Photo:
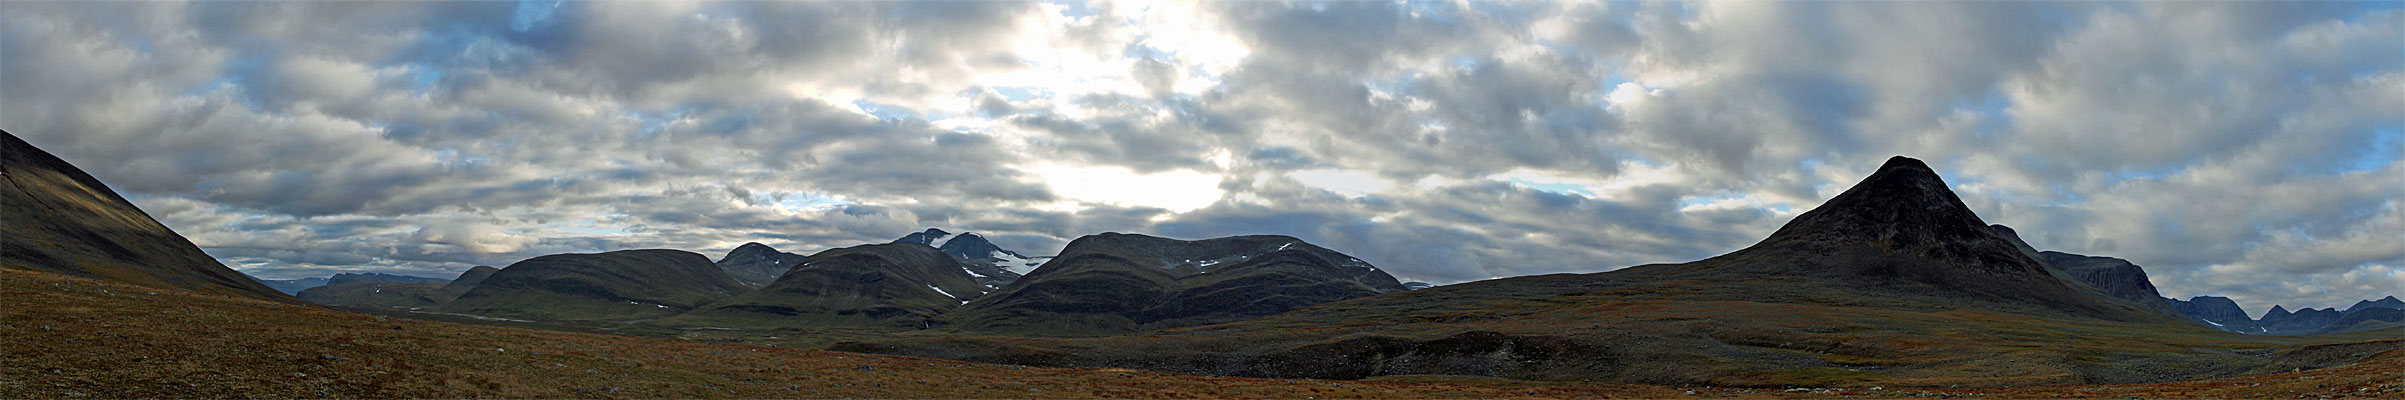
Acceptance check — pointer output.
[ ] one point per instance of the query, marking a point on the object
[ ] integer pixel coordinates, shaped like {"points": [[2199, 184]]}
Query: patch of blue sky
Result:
{"points": [[1074, 8], [732, 122], [2387, 147], [463, 47], [532, 14], [1020, 93], [798, 202], [422, 78], [1559, 188], [1439, 11], [650, 124], [1465, 62], [1137, 49]]}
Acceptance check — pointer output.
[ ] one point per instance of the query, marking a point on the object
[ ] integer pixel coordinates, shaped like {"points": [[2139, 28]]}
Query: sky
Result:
{"points": [[2240, 149]]}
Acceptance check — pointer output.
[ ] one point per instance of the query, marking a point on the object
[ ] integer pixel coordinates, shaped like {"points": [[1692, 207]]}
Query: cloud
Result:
{"points": [[2239, 149]]}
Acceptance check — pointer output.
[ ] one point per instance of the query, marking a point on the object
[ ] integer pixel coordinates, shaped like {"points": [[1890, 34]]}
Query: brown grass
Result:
{"points": [[65, 337]]}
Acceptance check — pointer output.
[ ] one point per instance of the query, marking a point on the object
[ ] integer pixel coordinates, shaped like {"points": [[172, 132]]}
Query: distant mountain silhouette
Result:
{"points": [[1117, 283], [359, 277], [2217, 312], [757, 264], [895, 284], [291, 286], [395, 291], [619, 285], [59, 219]]}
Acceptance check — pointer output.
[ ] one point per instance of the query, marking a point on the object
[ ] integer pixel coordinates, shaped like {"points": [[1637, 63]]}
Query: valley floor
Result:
{"points": [[65, 337]]}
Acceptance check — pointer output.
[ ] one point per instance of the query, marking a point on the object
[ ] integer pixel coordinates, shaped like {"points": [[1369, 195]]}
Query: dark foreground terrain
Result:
{"points": [[67, 337]]}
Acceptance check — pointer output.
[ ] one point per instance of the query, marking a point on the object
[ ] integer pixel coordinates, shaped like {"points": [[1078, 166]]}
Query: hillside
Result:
{"points": [[889, 285], [1116, 283], [60, 219], [614, 286]]}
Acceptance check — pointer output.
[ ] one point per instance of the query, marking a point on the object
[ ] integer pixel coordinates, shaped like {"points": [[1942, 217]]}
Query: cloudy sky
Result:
{"points": [[2249, 150]]}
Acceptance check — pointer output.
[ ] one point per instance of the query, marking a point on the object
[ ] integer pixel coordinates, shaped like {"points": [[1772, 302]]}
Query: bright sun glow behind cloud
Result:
{"points": [[1176, 191]]}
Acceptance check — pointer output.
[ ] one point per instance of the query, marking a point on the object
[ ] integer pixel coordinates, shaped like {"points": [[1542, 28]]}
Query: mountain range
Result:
{"points": [[1892, 283]]}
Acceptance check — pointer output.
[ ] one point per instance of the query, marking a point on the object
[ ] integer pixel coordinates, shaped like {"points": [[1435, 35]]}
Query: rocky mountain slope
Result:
{"points": [[991, 265], [895, 285], [614, 286], [1118, 283], [59, 219]]}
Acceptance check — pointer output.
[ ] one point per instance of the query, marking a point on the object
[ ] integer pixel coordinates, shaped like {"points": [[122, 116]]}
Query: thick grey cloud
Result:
{"points": [[2241, 149]]}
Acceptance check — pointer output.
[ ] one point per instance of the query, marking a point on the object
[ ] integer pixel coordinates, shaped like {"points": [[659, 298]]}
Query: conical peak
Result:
{"points": [[1903, 200], [1902, 162]]}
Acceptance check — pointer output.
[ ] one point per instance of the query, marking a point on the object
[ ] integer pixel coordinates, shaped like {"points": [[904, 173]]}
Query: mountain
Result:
{"points": [[59, 219], [992, 265], [2218, 312], [1416, 285], [2384, 302], [2368, 319], [2279, 321], [757, 264], [1892, 282], [291, 286], [1119, 283], [616, 286], [893, 285], [468, 280], [394, 291], [358, 277], [2116, 277], [378, 294], [1900, 231]]}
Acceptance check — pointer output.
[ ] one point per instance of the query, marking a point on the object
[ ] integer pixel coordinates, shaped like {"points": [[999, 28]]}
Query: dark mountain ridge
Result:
{"points": [[1118, 283], [617, 285], [59, 219], [359, 277], [894, 285]]}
